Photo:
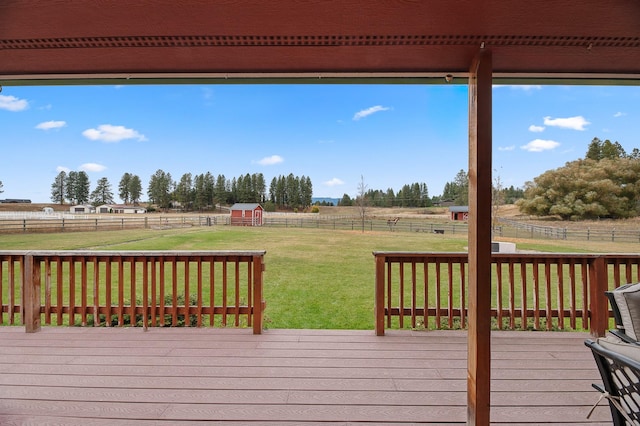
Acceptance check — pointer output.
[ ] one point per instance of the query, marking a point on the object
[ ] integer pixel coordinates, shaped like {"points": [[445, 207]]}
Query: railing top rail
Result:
{"points": [[132, 253], [413, 254]]}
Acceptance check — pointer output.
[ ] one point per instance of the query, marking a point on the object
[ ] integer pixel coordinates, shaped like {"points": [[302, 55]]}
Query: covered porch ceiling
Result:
{"points": [[147, 41]]}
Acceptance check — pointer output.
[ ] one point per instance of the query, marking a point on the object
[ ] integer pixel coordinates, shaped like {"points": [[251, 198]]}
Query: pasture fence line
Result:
{"points": [[507, 228], [529, 290], [517, 229], [132, 288]]}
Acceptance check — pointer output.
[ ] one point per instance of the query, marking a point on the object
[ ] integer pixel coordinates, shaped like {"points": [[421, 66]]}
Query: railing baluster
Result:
{"points": [[523, 301], [161, 295], [199, 294], [401, 295], [145, 293], [212, 293], [536, 295], [120, 291], [72, 290], [84, 291], [512, 295], [47, 291], [585, 289], [463, 293], [187, 292], [96, 291], [547, 275], [425, 317], [107, 291], [237, 293], [174, 295], [572, 278], [1, 291], [224, 294], [414, 294], [560, 275], [389, 284], [450, 293], [12, 290], [499, 293], [438, 294]]}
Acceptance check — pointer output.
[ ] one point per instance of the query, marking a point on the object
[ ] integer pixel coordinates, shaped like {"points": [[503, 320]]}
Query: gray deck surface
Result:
{"points": [[126, 376]]}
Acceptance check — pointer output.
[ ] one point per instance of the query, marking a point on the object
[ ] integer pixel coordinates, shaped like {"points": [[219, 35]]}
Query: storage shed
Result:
{"points": [[120, 208], [246, 214], [82, 209], [459, 213]]}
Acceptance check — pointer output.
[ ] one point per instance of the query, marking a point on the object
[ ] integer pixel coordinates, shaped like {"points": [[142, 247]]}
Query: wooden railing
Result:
{"points": [[529, 291], [132, 288]]}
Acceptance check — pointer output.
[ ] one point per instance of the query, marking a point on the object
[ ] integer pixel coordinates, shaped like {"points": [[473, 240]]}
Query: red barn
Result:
{"points": [[246, 214], [459, 212]]}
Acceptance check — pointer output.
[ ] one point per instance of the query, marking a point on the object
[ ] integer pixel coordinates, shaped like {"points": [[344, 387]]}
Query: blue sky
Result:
{"points": [[390, 135]]}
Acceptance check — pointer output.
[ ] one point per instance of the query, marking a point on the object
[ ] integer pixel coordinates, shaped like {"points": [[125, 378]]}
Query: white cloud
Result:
{"points": [[92, 167], [366, 112], [11, 103], [574, 123], [334, 182], [63, 169], [270, 161], [110, 133], [619, 114], [536, 129], [539, 145], [506, 148], [48, 125]]}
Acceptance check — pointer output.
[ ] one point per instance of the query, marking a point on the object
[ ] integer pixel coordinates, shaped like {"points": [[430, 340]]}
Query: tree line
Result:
{"points": [[191, 192], [604, 184], [416, 194]]}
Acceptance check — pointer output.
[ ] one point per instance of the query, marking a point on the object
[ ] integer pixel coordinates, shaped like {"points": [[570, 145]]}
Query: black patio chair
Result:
{"points": [[619, 331], [625, 304], [620, 375]]}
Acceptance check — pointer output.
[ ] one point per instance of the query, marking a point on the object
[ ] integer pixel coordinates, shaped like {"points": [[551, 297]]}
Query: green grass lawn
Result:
{"points": [[313, 278]]}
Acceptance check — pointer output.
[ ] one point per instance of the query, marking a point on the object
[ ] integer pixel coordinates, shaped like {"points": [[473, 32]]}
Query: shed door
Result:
{"points": [[257, 219]]}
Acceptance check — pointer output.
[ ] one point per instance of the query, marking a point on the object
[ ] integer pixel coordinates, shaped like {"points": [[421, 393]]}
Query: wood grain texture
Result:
{"points": [[115, 376]]}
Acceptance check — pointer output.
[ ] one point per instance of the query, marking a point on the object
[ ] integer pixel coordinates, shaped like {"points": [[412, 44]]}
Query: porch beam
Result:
{"points": [[479, 332]]}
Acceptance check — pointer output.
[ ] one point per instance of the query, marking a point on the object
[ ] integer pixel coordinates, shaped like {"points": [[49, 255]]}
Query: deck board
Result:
{"points": [[119, 376]]}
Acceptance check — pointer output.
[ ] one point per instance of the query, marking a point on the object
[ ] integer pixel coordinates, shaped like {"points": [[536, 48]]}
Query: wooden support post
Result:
{"points": [[258, 268], [31, 294], [598, 303], [479, 333], [379, 302]]}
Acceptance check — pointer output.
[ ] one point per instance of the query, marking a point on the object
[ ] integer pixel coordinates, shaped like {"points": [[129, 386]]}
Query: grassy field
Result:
{"points": [[313, 279]]}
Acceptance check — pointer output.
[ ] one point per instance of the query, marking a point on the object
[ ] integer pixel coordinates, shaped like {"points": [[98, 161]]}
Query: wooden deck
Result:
{"points": [[124, 376]]}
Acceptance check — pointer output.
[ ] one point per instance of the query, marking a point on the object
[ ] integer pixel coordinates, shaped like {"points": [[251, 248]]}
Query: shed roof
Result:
{"points": [[459, 209], [245, 206]]}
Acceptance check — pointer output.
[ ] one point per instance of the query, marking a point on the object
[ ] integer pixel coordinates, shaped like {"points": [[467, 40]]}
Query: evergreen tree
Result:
{"points": [[184, 191], [123, 188], [70, 187], [58, 188], [160, 188], [102, 194], [135, 189]]}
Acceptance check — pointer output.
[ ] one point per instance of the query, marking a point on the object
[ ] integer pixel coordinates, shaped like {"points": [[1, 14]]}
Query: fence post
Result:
{"points": [[379, 306], [598, 284], [258, 303], [31, 294]]}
